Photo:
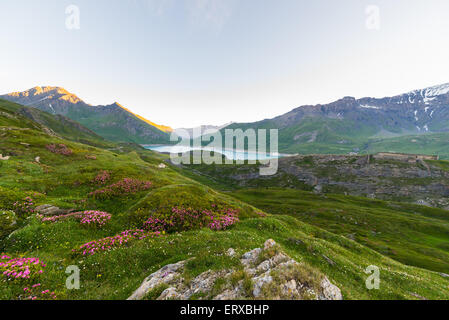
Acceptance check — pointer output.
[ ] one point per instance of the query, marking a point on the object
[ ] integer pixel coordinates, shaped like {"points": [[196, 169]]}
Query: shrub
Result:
{"points": [[36, 292], [24, 208], [182, 219], [20, 268], [94, 218], [102, 177], [124, 187], [222, 220], [87, 218], [59, 149], [110, 243]]}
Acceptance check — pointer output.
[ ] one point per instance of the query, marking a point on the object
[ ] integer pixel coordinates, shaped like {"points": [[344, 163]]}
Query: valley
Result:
{"points": [[126, 212]]}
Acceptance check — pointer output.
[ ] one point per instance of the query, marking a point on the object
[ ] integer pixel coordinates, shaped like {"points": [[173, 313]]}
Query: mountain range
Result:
{"points": [[199, 131], [113, 122], [414, 122]]}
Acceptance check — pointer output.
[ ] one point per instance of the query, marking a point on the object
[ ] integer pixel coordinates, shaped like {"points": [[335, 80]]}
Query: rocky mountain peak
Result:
{"points": [[38, 93]]}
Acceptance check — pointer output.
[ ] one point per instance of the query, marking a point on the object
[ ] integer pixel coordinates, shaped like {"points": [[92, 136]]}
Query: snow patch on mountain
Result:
{"points": [[368, 107], [429, 94]]}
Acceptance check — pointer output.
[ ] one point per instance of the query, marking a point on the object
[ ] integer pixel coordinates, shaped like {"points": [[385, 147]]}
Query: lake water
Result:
{"points": [[230, 154]]}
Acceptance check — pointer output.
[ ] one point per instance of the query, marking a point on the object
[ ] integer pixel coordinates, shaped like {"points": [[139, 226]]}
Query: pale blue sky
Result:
{"points": [[192, 62]]}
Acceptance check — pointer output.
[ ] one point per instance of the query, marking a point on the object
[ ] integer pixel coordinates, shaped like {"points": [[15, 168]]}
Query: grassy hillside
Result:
{"points": [[83, 177], [414, 235], [24, 117], [422, 182], [335, 136], [432, 143]]}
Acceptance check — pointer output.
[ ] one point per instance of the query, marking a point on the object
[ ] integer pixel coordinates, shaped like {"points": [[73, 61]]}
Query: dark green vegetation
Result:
{"points": [[66, 181]]}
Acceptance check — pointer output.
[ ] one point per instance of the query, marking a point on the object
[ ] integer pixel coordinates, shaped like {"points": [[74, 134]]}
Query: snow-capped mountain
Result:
{"points": [[350, 122]]}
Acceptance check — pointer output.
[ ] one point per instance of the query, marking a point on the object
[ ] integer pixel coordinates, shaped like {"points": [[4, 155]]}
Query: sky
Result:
{"points": [[185, 63]]}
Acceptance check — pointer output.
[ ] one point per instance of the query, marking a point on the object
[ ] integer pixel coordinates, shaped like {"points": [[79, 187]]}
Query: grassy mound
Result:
{"points": [[161, 201]]}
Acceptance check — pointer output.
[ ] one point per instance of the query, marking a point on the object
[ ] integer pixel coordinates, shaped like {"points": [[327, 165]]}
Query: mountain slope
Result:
{"points": [[349, 124], [54, 124], [112, 122]]}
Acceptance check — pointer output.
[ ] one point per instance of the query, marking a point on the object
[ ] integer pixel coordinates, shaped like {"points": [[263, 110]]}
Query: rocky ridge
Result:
{"points": [[420, 182], [266, 273]]}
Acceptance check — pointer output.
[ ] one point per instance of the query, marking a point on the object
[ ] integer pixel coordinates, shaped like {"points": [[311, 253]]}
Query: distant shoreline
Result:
{"points": [[281, 155]]}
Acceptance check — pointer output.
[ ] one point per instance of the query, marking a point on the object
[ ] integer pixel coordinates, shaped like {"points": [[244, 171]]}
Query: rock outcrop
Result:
{"points": [[263, 274], [376, 177], [50, 210]]}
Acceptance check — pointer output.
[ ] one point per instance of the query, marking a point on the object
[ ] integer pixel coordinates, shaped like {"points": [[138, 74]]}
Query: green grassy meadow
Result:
{"points": [[408, 243]]}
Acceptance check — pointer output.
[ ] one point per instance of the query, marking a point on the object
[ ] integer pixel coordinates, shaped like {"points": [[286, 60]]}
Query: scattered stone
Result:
{"points": [[276, 276], [162, 166], [318, 188], [50, 210], [279, 258], [329, 291], [25, 144], [417, 296], [269, 244], [230, 252], [264, 266], [444, 275], [328, 260], [250, 257], [4, 157], [423, 203], [229, 294], [163, 276], [259, 282], [169, 294], [289, 289], [203, 283], [37, 159], [90, 157]]}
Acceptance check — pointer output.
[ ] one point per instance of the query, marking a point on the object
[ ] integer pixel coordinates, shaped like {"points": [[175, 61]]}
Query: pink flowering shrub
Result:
{"points": [[222, 220], [114, 242], [20, 268], [94, 218], [59, 149], [156, 224], [261, 214], [102, 177], [87, 218], [36, 292], [124, 187], [24, 208], [182, 219]]}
